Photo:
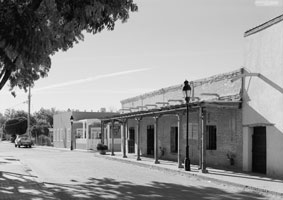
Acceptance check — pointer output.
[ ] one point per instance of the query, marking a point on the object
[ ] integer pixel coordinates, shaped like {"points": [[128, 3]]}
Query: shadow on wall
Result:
{"points": [[18, 186], [263, 78], [274, 140]]}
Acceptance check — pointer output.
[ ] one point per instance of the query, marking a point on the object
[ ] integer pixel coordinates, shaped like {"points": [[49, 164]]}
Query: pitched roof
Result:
{"points": [[220, 84]]}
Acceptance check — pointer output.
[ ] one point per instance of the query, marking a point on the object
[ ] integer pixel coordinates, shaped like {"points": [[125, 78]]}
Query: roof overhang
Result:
{"points": [[175, 109]]}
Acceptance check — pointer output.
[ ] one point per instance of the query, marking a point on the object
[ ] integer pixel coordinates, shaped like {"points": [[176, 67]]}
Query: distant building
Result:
{"points": [[86, 130]]}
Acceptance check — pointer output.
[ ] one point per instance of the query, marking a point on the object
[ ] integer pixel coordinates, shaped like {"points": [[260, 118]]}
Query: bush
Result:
{"points": [[43, 140], [102, 147]]}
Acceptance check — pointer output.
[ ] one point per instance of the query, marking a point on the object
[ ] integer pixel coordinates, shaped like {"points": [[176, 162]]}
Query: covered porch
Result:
{"points": [[134, 122]]}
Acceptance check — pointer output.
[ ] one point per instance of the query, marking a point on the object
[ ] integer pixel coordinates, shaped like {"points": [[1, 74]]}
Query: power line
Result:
{"points": [[16, 123], [14, 105]]}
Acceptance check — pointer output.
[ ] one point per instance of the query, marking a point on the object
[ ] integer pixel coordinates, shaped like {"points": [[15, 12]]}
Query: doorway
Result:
{"points": [[150, 140], [131, 141], [259, 150]]}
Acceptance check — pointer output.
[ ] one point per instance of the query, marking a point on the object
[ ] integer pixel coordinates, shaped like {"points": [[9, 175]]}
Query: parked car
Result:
{"points": [[23, 140]]}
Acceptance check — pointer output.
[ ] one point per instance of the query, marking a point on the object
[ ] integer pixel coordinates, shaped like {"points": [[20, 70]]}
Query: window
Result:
{"points": [[79, 133], [85, 131], [58, 134], [96, 132], [61, 134], [174, 139], [211, 137]]}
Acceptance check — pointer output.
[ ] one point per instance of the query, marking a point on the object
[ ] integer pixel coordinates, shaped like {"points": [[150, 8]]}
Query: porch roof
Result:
{"points": [[175, 109]]}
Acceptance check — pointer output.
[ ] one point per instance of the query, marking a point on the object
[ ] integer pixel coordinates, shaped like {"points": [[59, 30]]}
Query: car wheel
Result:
{"points": [[19, 146], [15, 145], [29, 146]]}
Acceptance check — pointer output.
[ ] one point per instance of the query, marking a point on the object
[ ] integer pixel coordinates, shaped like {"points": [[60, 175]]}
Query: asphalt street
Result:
{"points": [[61, 174]]}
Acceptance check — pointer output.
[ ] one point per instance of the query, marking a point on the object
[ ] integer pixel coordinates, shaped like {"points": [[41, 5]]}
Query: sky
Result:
{"points": [[161, 45]]}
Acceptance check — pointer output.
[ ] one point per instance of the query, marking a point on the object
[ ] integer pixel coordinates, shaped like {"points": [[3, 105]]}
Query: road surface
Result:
{"points": [[64, 174]]}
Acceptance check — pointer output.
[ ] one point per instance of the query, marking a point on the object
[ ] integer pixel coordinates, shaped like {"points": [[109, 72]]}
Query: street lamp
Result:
{"points": [[72, 121], [187, 95]]}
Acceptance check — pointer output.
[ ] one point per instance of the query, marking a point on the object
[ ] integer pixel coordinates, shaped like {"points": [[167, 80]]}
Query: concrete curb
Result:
{"points": [[189, 174]]}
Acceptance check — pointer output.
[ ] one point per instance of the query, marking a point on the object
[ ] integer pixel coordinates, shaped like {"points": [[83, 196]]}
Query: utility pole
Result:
{"points": [[29, 99]]}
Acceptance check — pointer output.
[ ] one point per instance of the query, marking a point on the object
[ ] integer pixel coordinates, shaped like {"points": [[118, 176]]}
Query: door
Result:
{"points": [[150, 140], [131, 141], [259, 150]]}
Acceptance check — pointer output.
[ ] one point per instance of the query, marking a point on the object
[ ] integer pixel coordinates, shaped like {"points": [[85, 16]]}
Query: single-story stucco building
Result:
{"points": [[235, 118], [86, 130]]}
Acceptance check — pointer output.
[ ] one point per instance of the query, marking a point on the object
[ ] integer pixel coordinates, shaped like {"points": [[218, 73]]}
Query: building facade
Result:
{"points": [[263, 99], [155, 123], [235, 119], [86, 130]]}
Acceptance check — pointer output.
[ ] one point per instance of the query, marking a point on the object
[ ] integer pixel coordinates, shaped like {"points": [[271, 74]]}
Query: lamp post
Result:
{"points": [[187, 94], [72, 121]]}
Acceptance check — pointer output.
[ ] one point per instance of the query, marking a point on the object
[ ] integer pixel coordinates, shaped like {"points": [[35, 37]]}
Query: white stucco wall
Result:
{"points": [[263, 100]]}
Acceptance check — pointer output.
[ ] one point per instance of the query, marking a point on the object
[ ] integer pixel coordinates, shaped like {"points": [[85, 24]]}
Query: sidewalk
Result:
{"points": [[255, 182]]}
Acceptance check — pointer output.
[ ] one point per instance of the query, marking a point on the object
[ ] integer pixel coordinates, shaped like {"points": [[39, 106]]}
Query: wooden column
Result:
{"points": [[138, 138], [102, 132], [112, 137], [200, 137], [179, 118], [124, 138], [156, 119], [203, 136]]}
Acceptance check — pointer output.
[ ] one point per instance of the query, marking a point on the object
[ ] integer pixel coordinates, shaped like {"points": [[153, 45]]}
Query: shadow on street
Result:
{"points": [[18, 186]]}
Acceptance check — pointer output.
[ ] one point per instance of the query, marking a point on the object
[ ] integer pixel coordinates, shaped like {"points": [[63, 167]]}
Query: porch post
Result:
{"points": [[112, 137], [124, 138], [179, 119], [102, 132], [138, 137], [203, 135], [87, 135], [200, 137], [156, 119]]}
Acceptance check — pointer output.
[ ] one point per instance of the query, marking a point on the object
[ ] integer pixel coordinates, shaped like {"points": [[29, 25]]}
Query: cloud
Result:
{"points": [[268, 2], [94, 78]]}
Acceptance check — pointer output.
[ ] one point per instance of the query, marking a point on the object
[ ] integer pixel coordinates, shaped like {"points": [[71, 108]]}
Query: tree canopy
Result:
{"points": [[15, 126], [33, 30], [13, 114]]}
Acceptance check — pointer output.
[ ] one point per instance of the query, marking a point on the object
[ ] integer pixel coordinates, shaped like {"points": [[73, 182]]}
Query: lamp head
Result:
{"points": [[187, 89], [72, 119]]}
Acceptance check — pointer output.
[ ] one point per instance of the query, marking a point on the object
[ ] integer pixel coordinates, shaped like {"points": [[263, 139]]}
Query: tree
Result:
{"points": [[45, 116], [2, 120], [33, 30], [15, 126], [12, 113], [38, 129]]}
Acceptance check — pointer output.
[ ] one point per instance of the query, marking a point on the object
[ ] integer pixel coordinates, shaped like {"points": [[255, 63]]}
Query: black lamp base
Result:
{"points": [[187, 164]]}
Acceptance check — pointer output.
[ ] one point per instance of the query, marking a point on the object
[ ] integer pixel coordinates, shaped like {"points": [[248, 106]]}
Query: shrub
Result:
{"points": [[101, 147]]}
